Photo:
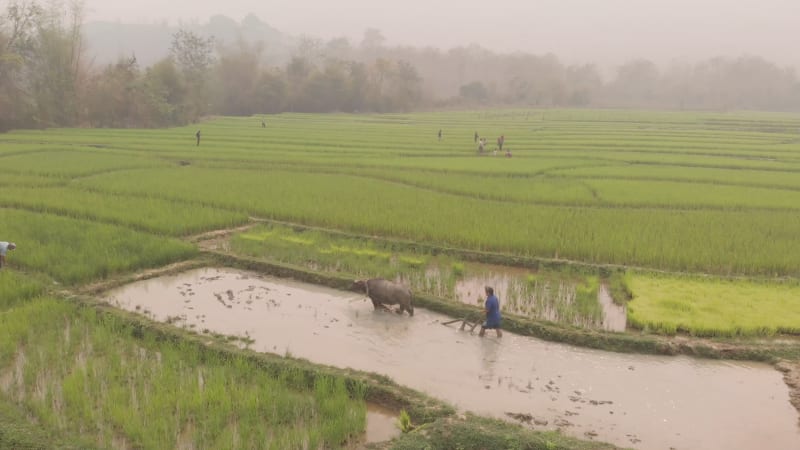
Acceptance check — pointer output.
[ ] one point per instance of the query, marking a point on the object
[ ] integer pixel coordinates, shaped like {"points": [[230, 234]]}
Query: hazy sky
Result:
{"points": [[606, 31]]}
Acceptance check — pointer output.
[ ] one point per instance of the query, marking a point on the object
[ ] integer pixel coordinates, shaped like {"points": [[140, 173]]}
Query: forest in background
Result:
{"points": [[49, 77]]}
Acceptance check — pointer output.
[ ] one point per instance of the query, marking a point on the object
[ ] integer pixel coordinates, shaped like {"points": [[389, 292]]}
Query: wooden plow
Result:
{"points": [[465, 322]]}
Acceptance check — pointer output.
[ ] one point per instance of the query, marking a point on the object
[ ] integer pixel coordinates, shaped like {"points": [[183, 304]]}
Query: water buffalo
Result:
{"points": [[384, 292]]}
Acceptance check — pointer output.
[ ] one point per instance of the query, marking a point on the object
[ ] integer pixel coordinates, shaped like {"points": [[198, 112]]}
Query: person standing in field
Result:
{"points": [[4, 248], [263, 124], [500, 141], [481, 143], [440, 135], [198, 138], [476, 137], [492, 310]]}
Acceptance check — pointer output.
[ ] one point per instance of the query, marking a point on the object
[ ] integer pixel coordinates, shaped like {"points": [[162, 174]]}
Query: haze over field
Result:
{"points": [[607, 32]]}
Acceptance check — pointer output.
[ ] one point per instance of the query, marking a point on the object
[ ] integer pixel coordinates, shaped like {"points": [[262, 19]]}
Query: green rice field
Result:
{"points": [[684, 192], [695, 215]]}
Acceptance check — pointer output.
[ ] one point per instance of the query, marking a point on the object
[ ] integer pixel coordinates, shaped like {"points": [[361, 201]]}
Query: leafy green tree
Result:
{"points": [[194, 56]]}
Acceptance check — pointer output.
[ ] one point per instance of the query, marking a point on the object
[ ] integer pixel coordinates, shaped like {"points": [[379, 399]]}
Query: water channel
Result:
{"points": [[639, 401]]}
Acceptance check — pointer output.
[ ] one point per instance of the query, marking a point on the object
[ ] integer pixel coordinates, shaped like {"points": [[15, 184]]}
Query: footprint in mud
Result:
{"points": [[633, 438], [561, 423], [551, 387], [521, 417]]}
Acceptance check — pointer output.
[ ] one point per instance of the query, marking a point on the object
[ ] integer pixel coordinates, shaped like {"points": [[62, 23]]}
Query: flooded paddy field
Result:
{"points": [[580, 301], [640, 401]]}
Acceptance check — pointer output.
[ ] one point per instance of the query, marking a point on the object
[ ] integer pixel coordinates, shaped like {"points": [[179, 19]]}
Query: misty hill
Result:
{"points": [[108, 41]]}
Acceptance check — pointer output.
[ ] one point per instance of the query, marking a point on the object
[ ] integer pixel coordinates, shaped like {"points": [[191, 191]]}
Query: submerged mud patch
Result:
{"points": [[381, 424], [649, 402]]}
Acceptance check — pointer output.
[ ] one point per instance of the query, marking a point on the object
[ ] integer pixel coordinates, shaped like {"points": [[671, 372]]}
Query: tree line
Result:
{"points": [[47, 78]]}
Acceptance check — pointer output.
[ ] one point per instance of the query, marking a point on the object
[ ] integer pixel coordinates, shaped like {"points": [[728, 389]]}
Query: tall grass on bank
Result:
{"points": [[80, 372], [74, 251], [713, 307]]}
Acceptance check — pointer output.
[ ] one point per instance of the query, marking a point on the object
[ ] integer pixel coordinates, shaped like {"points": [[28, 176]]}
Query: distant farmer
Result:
{"points": [[508, 153], [476, 137], [263, 124], [492, 314], [4, 248], [198, 138], [440, 135], [500, 141], [481, 144]]}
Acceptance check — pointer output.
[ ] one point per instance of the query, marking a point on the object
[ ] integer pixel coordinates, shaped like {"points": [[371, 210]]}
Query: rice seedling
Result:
{"points": [[713, 307], [80, 372]]}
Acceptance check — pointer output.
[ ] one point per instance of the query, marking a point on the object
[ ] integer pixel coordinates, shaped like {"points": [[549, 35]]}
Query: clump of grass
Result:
{"points": [[477, 433], [404, 422], [618, 288], [16, 288]]}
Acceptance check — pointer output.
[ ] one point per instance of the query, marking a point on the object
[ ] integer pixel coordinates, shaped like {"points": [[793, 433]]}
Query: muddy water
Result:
{"points": [[638, 401], [381, 424], [615, 317]]}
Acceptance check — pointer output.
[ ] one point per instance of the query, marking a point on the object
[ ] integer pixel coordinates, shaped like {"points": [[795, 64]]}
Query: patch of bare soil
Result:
{"points": [[219, 234], [218, 240]]}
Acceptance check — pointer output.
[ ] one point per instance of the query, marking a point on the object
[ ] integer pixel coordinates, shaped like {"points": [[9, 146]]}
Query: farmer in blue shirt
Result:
{"points": [[4, 248], [492, 314]]}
